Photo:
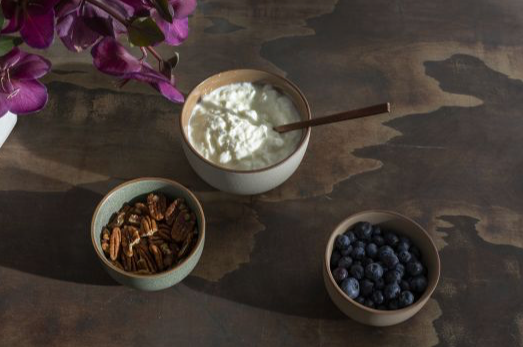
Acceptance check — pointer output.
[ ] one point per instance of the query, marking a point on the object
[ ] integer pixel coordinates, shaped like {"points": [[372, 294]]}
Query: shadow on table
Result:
{"points": [[48, 234]]}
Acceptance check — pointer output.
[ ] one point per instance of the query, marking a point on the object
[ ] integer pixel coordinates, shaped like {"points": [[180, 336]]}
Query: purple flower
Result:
{"points": [[34, 19], [20, 91], [81, 24], [112, 58], [175, 32]]}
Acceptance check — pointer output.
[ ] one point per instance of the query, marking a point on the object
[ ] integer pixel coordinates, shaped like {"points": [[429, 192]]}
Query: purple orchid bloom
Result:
{"points": [[20, 91], [177, 31], [33, 18], [112, 58], [81, 24]]}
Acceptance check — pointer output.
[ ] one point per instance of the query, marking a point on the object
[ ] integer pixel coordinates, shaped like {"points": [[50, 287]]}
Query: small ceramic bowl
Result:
{"points": [[139, 189], [403, 226], [245, 182]]}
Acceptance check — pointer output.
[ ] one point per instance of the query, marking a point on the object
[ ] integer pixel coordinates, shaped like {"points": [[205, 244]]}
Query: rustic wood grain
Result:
{"points": [[449, 156]]}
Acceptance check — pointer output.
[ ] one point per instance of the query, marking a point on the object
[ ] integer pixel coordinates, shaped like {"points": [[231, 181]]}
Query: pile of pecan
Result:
{"points": [[150, 237]]}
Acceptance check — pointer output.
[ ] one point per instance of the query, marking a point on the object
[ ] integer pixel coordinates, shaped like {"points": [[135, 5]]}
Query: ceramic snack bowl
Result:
{"points": [[245, 182], [402, 226], [138, 189]]}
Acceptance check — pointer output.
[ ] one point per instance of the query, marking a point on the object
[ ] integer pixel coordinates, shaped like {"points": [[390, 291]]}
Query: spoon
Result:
{"points": [[360, 113]]}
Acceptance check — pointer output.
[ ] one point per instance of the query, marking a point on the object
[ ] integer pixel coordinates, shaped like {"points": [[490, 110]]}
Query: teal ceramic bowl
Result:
{"points": [[138, 189]]}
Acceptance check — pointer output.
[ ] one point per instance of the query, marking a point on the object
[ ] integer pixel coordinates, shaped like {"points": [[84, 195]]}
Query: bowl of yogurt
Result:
{"points": [[227, 130]]}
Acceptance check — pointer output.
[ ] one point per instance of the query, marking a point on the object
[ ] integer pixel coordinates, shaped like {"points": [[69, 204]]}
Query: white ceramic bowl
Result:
{"points": [[245, 182]]}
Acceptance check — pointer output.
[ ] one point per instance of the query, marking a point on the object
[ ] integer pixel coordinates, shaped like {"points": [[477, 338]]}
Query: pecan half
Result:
{"points": [[148, 226], [105, 247], [157, 204], [106, 235], [157, 254], [185, 248], [168, 261], [135, 235], [183, 225], [134, 219], [166, 250], [148, 259], [140, 209], [118, 220], [173, 210], [114, 247], [126, 242]]}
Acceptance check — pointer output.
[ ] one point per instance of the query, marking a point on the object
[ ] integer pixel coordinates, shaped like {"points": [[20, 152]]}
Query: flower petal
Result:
{"points": [[169, 91], [38, 31], [67, 7], [10, 59], [183, 8], [176, 32], [31, 96], [30, 67], [112, 58], [9, 8], [40, 7], [14, 25], [75, 34]]}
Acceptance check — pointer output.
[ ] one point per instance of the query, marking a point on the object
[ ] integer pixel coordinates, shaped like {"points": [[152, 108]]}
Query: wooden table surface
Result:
{"points": [[450, 156]]}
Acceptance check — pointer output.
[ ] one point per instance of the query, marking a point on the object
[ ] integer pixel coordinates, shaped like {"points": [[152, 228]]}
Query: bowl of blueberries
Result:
{"points": [[380, 267]]}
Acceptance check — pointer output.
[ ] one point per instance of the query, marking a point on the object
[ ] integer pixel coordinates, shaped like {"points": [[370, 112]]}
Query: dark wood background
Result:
{"points": [[450, 156]]}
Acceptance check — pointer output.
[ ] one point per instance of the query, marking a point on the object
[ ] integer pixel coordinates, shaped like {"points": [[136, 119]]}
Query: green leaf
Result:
{"points": [[145, 32], [167, 66], [7, 43], [164, 9]]}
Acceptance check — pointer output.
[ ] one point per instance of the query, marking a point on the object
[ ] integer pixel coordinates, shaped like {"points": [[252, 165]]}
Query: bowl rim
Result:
{"points": [[201, 233], [302, 142], [421, 301]]}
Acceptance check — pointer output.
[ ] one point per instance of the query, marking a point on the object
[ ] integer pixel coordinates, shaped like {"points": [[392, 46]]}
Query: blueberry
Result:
{"points": [[383, 250], [393, 305], [356, 271], [379, 284], [406, 299], [382, 307], [356, 262], [392, 276], [345, 262], [369, 303], [342, 242], [345, 252], [391, 238], [376, 231], [404, 285], [340, 274], [366, 261], [415, 252], [352, 237], [391, 291], [366, 287], [377, 297], [360, 244], [404, 256], [400, 268], [335, 257], [378, 240], [358, 253], [360, 300], [402, 246], [414, 268], [371, 250], [373, 271], [418, 284], [390, 260], [363, 230], [351, 287]]}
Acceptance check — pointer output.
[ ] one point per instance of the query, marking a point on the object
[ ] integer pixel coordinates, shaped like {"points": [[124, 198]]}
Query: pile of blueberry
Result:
{"points": [[378, 269]]}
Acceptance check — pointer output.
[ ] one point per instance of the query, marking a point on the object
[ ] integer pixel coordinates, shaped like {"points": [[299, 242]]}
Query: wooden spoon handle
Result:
{"points": [[360, 113]]}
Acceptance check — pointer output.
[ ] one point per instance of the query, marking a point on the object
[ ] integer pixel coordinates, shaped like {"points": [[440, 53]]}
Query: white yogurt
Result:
{"points": [[233, 126]]}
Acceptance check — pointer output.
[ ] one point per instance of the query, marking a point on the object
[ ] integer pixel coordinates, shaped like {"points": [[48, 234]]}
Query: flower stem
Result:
{"points": [[122, 20], [109, 10]]}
